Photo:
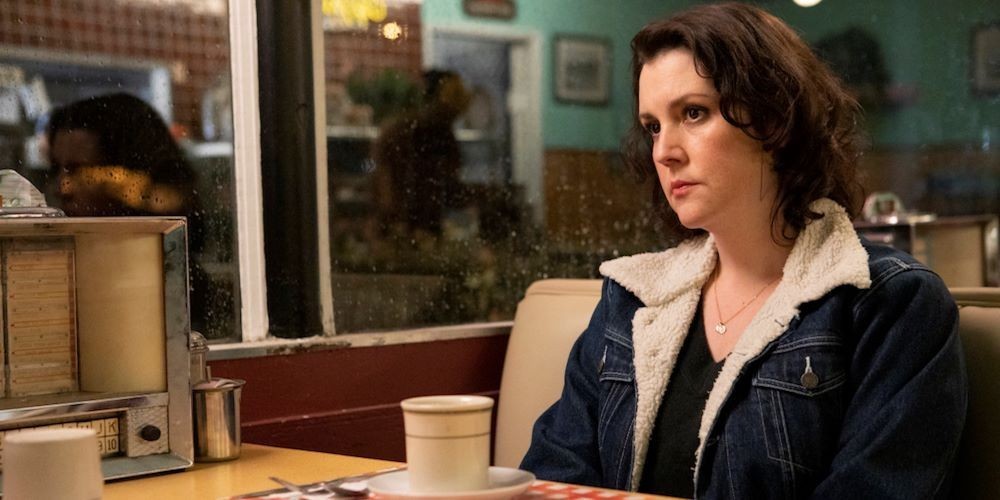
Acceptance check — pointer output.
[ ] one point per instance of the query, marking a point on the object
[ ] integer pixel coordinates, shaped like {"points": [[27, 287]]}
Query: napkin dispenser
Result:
{"points": [[95, 334]]}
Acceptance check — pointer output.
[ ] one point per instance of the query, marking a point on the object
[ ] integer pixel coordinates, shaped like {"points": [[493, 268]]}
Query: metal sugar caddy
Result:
{"points": [[95, 334], [216, 408]]}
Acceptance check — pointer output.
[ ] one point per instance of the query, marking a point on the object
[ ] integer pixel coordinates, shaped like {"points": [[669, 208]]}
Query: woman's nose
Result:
{"points": [[667, 149]]}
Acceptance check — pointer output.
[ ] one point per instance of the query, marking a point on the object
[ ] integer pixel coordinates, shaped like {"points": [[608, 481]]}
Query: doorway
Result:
{"points": [[500, 132]]}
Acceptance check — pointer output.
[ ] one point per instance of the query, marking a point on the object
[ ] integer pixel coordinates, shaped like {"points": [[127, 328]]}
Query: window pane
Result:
{"points": [[123, 107], [447, 199]]}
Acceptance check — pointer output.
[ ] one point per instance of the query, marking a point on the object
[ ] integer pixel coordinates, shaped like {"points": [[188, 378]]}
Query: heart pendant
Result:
{"points": [[720, 328]]}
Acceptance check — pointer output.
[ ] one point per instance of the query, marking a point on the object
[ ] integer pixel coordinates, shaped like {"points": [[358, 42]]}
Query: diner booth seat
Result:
{"points": [[555, 311], [551, 316], [978, 472]]}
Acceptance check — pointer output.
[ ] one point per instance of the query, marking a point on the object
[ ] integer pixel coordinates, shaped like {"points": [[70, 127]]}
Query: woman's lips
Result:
{"points": [[680, 188]]}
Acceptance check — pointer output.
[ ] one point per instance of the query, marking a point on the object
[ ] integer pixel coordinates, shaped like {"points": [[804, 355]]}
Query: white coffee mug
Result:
{"points": [[447, 442], [52, 463]]}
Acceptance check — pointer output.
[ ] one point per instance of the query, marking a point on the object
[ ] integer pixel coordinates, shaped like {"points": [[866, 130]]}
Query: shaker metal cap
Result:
{"points": [[198, 342]]}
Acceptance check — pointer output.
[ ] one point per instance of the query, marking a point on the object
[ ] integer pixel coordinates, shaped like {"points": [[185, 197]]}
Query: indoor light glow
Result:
{"points": [[391, 31], [354, 13], [806, 3]]}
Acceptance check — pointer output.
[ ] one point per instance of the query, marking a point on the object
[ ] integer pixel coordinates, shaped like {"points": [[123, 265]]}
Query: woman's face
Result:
{"points": [[73, 154], [710, 171]]}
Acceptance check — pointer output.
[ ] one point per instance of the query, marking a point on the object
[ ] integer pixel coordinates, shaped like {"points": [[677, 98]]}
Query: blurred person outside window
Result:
{"points": [[418, 163], [113, 155]]}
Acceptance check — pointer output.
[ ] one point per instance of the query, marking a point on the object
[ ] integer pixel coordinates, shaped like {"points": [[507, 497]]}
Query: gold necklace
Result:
{"points": [[720, 327]]}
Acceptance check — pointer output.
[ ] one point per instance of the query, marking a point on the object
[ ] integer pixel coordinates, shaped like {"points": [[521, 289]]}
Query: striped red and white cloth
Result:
{"points": [[544, 490]]}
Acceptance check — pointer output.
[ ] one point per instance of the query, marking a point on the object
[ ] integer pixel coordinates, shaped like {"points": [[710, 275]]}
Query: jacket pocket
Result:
{"points": [[807, 367], [799, 390]]}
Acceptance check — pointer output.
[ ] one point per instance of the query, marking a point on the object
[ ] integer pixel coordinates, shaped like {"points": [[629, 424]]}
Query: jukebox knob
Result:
{"points": [[150, 433]]}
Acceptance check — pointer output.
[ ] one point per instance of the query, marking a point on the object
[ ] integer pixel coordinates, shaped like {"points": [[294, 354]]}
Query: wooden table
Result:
{"points": [[249, 473]]}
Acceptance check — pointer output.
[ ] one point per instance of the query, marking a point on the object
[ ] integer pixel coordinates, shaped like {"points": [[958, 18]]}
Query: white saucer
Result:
{"points": [[504, 483]]}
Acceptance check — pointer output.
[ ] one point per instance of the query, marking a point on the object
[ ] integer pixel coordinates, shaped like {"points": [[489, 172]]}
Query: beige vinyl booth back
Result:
{"points": [[554, 312], [551, 316], [978, 472]]}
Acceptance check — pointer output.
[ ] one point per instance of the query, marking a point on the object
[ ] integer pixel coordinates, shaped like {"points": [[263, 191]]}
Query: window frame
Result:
{"points": [[254, 339], [246, 171]]}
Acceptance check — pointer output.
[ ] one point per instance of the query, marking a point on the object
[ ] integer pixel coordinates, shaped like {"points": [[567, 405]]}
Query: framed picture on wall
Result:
{"points": [[985, 62], [582, 69]]}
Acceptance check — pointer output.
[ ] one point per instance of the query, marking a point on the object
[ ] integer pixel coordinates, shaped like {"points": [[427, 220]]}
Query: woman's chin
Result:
{"points": [[690, 221]]}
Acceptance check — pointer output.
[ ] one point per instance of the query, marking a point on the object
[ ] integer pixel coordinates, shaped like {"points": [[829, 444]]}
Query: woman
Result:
{"points": [[114, 155], [772, 353]]}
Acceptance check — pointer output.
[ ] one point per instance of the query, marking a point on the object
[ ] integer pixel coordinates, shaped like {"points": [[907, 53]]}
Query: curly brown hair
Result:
{"points": [[774, 88]]}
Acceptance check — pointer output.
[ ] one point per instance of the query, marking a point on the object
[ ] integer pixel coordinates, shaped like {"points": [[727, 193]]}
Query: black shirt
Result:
{"points": [[669, 468]]}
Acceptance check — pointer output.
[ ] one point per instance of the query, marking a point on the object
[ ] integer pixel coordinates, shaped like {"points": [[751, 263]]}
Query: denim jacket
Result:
{"points": [[882, 418]]}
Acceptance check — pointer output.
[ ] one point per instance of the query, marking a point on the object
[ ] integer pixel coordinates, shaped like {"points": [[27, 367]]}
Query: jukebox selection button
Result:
{"points": [[106, 429], [150, 433], [111, 445]]}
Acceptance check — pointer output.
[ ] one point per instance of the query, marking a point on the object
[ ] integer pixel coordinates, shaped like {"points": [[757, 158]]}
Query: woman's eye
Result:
{"points": [[652, 128], [694, 113]]}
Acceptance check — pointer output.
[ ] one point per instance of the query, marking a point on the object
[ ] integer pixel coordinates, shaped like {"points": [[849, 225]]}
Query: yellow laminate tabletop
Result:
{"points": [[250, 472], [246, 474]]}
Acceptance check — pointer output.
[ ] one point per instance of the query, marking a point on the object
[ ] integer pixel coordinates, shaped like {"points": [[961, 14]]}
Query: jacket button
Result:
{"points": [[809, 379]]}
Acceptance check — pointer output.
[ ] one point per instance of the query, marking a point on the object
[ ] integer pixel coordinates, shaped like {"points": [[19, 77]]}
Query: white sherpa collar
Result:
{"points": [[827, 254], [657, 278]]}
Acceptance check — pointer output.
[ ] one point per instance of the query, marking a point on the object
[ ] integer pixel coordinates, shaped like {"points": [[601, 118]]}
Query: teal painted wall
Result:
{"points": [[925, 44], [565, 125]]}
